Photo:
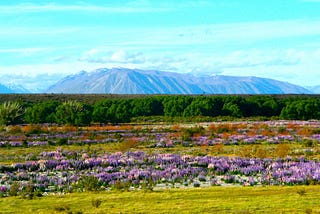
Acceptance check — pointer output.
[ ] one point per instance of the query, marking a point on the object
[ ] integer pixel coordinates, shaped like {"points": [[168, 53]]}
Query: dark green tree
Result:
{"points": [[122, 111], [260, 106], [175, 105], [149, 106], [302, 110], [231, 109], [43, 112], [101, 112], [204, 106]]}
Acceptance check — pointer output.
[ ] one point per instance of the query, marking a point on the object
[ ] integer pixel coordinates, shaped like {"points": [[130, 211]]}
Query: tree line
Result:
{"points": [[121, 110]]}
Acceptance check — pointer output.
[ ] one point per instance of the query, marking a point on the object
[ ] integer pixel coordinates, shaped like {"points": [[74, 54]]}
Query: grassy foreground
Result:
{"points": [[301, 199]]}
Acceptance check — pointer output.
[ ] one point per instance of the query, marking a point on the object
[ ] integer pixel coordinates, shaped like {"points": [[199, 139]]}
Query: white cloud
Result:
{"points": [[89, 55], [107, 56], [125, 57]]}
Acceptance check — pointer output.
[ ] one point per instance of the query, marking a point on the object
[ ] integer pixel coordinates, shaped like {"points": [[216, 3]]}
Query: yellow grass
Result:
{"points": [[195, 200]]}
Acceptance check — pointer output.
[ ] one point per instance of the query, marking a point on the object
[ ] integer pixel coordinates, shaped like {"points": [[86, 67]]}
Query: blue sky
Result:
{"points": [[41, 41]]}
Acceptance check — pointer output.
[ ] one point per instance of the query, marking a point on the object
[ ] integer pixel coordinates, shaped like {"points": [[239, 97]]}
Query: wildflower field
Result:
{"points": [[239, 167]]}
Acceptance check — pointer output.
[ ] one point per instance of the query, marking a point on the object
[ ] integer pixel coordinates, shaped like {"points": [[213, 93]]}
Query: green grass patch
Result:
{"points": [[196, 200]]}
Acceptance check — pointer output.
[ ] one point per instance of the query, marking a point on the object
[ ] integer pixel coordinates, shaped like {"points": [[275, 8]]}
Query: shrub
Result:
{"points": [[302, 192], [121, 185], [88, 183], [191, 132], [25, 143], [96, 203], [308, 211], [229, 179], [310, 143], [282, 130], [196, 184], [62, 208], [202, 178], [14, 189], [148, 185], [28, 191], [62, 141], [51, 143], [10, 113]]}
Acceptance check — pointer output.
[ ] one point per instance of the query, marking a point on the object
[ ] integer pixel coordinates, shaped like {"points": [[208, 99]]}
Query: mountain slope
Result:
{"points": [[315, 89], [129, 81]]}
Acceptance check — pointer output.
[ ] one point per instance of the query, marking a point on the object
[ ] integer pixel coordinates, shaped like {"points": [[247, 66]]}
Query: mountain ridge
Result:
{"points": [[136, 81]]}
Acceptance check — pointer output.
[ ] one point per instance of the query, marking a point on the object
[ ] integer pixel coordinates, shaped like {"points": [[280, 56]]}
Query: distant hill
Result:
{"points": [[18, 89], [5, 90], [13, 89], [133, 81]]}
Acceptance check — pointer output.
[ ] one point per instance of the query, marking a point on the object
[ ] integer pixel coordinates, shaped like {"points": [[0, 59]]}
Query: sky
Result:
{"points": [[42, 41]]}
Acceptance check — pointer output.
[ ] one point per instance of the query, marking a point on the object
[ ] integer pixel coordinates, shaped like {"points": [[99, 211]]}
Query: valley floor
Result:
{"points": [[225, 167]]}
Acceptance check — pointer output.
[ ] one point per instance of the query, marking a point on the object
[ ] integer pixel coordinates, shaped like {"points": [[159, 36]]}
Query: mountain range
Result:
{"points": [[135, 81], [13, 89]]}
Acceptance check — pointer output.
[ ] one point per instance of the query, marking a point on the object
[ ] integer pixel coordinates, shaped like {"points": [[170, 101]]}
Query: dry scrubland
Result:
{"points": [[227, 167]]}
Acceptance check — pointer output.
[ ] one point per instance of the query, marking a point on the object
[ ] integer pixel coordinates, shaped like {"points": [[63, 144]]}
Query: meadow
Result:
{"points": [[227, 167]]}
